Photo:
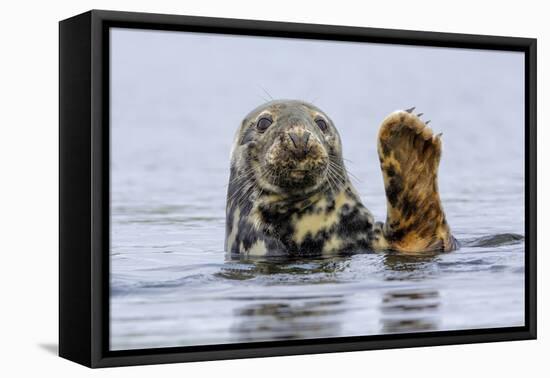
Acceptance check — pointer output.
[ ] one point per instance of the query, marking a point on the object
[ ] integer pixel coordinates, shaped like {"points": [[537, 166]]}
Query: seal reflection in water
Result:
{"points": [[289, 193]]}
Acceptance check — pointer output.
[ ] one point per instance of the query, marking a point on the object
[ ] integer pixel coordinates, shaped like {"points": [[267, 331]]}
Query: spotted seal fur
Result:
{"points": [[289, 192]]}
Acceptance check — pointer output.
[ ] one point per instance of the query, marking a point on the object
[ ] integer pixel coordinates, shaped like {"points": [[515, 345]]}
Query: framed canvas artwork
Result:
{"points": [[237, 188]]}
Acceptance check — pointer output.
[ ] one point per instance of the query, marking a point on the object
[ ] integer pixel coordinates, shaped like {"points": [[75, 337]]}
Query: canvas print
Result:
{"points": [[267, 189]]}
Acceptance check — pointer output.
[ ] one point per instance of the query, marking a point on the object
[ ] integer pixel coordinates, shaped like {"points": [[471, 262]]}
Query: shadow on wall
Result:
{"points": [[50, 348]]}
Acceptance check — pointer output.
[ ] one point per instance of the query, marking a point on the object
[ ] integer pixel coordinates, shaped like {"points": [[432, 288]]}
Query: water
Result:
{"points": [[172, 129]]}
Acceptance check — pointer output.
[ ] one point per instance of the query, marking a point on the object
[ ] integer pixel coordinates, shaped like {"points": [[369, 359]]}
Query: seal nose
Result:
{"points": [[300, 141]]}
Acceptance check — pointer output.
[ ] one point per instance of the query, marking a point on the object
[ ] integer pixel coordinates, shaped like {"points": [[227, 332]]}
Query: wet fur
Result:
{"points": [[270, 212], [409, 155]]}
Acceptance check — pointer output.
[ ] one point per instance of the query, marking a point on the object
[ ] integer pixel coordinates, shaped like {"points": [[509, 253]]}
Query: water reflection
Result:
{"points": [[248, 268], [410, 310], [400, 262], [289, 320]]}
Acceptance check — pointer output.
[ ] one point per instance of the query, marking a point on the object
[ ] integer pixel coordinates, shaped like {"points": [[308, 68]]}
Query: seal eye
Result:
{"points": [[322, 124], [263, 124]]}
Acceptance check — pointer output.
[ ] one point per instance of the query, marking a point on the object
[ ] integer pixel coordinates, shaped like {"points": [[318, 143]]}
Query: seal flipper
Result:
{"points": [[409, 155]]}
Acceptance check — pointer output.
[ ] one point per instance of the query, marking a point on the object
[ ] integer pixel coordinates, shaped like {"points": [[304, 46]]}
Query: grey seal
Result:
{"points": [[289, 192]]}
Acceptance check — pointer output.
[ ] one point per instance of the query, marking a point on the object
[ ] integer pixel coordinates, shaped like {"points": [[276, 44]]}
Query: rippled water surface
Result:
{"points": [[177, 100]]}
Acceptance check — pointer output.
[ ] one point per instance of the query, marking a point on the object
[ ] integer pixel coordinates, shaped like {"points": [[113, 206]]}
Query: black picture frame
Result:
{"points": [[84, 187]]}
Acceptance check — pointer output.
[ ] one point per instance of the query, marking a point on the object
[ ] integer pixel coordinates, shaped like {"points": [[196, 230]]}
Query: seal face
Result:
{"points": [[289, 193]]}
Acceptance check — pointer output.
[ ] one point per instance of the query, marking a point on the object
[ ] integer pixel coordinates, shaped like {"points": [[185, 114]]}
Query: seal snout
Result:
{"points": [[299, 139]]}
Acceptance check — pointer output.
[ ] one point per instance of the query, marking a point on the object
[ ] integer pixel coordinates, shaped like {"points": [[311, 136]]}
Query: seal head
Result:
{"points": [[288, 183], [288, 147]]}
